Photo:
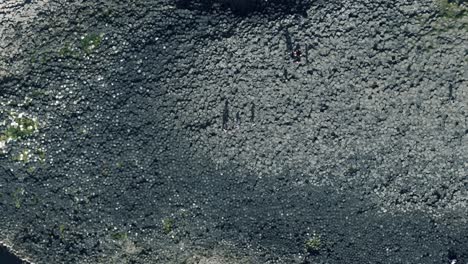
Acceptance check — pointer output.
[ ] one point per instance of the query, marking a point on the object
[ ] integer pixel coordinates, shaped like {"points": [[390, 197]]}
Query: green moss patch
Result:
{"points": [[119, 236], [451, 9], [168, 225], [68, 51], [91, 42], [22, 127]]}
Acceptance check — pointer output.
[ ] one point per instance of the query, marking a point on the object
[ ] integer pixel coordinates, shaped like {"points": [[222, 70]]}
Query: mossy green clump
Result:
{"points": [[313, 244], [168, 225], [119, 236], [41, 155], [119, 165], [451, 10], [17, 197], [62, 230], [23, 156], [31, 170], [38, 93], [91, 42], [68, 51], [22, 127]]}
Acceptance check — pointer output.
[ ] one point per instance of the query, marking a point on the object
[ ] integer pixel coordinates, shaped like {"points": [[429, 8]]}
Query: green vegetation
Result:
{"points": [[17, 197], [451, 9], [83, 132], [41, 154], [61, 230], [44, 59], [26, 156], [168, 225], [23, 156], [68, 51], [22, 127], [453, 15], [31, 170], [119, 236], [313, 244], [119, 165], [38, 93], [90, 42]]}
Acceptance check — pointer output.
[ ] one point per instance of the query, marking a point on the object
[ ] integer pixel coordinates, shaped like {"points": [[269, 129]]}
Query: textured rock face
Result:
{"points": [[246, 7], [233, 131]]}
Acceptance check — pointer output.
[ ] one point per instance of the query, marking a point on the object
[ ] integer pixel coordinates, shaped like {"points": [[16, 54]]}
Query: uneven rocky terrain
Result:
{"points": [[164, 131]]}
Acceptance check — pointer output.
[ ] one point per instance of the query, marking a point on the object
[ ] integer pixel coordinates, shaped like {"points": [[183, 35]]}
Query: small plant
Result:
{"points": [[61, 230], [23, 156], [313, 244], [119, 236], [17, 197], [41, 154], [38, 93], [168, 225], [119, 165], [31, 170], [90, 42]]}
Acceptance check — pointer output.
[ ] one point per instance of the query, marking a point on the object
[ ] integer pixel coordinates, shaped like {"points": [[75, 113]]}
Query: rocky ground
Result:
{"points": [[164, 131]]}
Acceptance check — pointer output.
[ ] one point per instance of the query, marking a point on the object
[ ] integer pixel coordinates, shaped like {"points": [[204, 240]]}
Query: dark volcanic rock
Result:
{"points": [[234, 131]]}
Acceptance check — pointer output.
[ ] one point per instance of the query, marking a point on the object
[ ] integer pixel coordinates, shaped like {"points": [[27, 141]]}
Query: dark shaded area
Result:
{"points": [[246, 7], [268, 213], [458, 1], [8, 258]]}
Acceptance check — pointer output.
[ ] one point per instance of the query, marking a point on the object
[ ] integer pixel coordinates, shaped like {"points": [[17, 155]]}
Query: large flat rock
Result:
{"points": [[234, 132]]}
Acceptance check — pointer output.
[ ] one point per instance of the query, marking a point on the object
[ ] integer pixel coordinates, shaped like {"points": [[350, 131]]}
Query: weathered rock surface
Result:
{"points": [[182, 132]]}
